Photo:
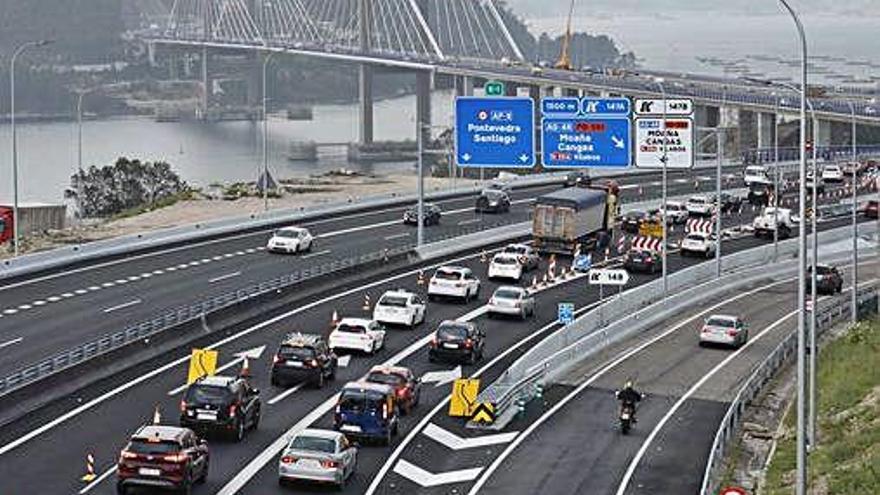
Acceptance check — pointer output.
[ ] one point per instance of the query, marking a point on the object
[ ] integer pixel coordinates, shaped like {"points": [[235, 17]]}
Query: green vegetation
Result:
{"points": [[847, 460]]}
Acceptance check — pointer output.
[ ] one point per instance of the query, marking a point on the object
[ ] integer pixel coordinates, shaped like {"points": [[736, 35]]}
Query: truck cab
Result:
{"points": [[772, 218]]}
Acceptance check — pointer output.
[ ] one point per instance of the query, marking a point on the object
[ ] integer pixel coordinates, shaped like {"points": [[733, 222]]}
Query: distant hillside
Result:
{"points": [[543, 8]]}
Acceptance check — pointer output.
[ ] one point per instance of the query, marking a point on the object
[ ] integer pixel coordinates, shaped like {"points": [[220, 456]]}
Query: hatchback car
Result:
{"points": [[493, 201], [357, 334], [457, 341], [407, 388], [432, 214], [222, 404], [290, 240], [643, 260], [528, 257], [871, 208], [323, 456], [505, 265], [700, 206], [755, 174], [454, 281], [698, 243], [724, 330], [400, 307], [367, 410], [832, 173], [303, 358], [162, 457], [511, 301], [829, 280], [676, 212]]}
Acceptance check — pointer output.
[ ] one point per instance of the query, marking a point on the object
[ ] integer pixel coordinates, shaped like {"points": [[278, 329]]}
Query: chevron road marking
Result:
{"points": [[426, 479], [455, 442]]}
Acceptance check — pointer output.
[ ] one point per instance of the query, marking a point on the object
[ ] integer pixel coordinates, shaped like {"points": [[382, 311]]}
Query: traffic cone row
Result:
{"points": [[367, 303], [90, 469]]}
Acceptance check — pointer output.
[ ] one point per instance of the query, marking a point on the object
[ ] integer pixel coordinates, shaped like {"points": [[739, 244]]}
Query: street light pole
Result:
{"points": [[801, 452], [665, 160], [776, 182], [855, 225], [21, 48], [811, 423], [420, 212], [266, 134]]}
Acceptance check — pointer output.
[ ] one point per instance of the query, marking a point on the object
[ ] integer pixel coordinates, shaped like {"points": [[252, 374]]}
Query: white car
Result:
{"points": [[505, 265], [357, 334], [756, 174], [528, 257], [700, 206], [832, 173], [290, 240], [724, 330], [511, 301], [698, 243], [676, 212], [318, 455], [400, 307], [454, 281]]}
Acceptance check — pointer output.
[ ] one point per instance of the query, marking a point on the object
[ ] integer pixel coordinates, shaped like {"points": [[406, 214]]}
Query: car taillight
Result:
{"points": [[127, 455], [182, 406], [705, 329], [468, 343], [232, 410], [434, 341], [385, 411], [329, 464], [175, 458], [732, 333], [276, 359], [313, 363], [517, 304], [401, 392], [288, 459]]}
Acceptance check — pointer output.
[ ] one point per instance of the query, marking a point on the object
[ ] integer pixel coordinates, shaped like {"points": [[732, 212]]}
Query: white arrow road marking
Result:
{"points": [[123, 306], [343, 361], [426, 479], [254, 353], [455, 442], [442, 377]]}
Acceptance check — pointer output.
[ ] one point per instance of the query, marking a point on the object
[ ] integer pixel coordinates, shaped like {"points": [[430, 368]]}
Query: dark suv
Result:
{"points": [[222, 404], [303, 358], [493, 201], [432, 214], [162, 457], [457, 341], [828, 280], [578, 178]]}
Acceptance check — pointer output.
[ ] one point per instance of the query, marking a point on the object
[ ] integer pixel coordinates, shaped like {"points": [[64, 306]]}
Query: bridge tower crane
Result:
{"points": [[564, 61]]}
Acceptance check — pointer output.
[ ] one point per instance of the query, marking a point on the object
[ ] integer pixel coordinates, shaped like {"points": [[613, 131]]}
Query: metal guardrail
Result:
{"points": [[763, 373], [621, 317]]}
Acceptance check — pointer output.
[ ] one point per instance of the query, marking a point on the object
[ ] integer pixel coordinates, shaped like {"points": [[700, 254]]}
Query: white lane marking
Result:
{"points": [[206, 260], [171, 269], [10, 311], [80, 292], [67, 295], [229, 255], [283, 395], [194, 263], [134, 278], [621, 358], [218, 257], [224, 277], [627, 187], [680, 181], [472, 220], [121, 281], [452, 441], [239, 253], [11, 342], [397, 236], [250, 250], [426, 479], [93, 288], [25, 307], [261, 248], [106, 474], [146, 275], [315, 255], [158, 272], [53, 298], [182, 266], [123, 306], [39, 302], [108, 284]]}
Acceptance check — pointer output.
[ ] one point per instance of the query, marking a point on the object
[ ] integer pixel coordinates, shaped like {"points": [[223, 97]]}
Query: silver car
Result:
{"points": [[318, 455], [510, 300]]}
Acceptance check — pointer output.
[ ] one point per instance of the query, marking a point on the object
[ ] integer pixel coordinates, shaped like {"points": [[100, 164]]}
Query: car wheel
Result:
{"points": [[373, 348], [412, 322]]}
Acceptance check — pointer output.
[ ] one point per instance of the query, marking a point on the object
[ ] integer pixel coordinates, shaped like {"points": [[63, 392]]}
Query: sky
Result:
{"points": [[545, 8]]}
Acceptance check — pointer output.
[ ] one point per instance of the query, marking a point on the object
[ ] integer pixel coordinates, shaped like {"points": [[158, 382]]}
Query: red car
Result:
{"points": [[162, 457], [407, 388], [871, 209]]}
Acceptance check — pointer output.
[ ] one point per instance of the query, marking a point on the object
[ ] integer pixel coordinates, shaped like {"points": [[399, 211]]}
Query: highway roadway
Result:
{"points": [[45, 315], [45, 452]]}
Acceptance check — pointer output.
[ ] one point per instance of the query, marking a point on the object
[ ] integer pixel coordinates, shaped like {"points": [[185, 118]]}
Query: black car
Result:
{"points": [[303, 358], [493, 201], [828, 280], [643, 260], [578, 178], [759, 193], [223, 404], [730, 202], [432, 215], [457, 341], [633, 220]]}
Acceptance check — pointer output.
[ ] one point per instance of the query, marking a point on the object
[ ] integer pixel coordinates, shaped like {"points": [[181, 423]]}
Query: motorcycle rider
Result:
{"points": [[628, 398]]}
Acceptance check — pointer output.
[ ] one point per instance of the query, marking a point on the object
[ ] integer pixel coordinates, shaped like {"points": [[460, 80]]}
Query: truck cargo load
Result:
{"points": [[32, 218], [575, 216]]}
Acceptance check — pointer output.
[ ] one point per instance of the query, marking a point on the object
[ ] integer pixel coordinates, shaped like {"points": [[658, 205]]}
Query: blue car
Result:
{"points": [[367, 411]]}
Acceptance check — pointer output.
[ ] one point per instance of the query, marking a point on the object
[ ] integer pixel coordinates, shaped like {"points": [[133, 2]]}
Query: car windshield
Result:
{"points": [[754, 171], [696, 237], [385, 378], [447, 275], [348, 328], [361, 400], [515, 249], [674, 207], [493, 194], [207, 394], [636, 214], [505, 260], [296, 353], [452, 332], [287, 234], [396, 301], [314, 444], [697, 201], [507, 294], [145, 447], [721, 322]]}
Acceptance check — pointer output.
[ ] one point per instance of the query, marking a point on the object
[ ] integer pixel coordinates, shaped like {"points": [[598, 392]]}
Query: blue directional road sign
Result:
{"points": [[495, 132], [582, 263], [560, 107], [565, 313], [586, 142]]}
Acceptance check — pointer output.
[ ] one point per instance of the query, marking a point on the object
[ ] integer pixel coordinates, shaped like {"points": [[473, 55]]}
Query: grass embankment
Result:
{"points": [[847, 460]]}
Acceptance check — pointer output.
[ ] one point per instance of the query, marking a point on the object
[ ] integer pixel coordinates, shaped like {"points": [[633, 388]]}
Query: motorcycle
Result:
{"points": [[627, 417]]}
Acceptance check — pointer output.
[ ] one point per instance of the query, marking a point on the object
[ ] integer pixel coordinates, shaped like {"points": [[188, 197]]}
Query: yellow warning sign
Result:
{"points": [[651, 229], [484, 413], [464, 395], [202, 362]]}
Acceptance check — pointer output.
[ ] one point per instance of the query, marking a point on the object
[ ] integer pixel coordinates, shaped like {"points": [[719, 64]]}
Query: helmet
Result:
{"points": [[628, 384]]}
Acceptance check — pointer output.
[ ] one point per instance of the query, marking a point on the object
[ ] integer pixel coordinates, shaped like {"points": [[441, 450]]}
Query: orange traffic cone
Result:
{"points": [[334, 320], [367, 304], [157, 416], [245, 371]]}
